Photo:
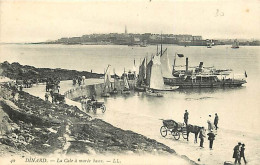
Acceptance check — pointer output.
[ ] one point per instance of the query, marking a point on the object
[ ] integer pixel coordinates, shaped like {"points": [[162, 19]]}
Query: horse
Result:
{"points": [[193, 129]]}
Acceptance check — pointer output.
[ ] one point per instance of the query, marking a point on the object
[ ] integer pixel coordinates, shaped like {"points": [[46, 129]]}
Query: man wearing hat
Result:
{"points": [[236, 153], [186, 117], [211, 138], [216, 121], [242, 153]]}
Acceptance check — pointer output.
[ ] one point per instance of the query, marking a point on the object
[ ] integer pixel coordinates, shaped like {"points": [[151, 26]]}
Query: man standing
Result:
{"points": [[236, 153], [211, 138], [216, 121], [209, 123], [202, 136], [46, 96], [186, 117], [242, 153]]}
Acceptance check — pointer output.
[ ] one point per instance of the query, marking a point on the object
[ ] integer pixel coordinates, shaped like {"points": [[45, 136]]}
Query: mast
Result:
{"points": [[114, 78], [161, 43], [174, 63]]}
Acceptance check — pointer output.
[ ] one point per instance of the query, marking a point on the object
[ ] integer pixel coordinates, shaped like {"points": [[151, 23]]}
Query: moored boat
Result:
{"points": [[107, 83], [235, 44], [126, 89], [113, 86], [201, 77]]}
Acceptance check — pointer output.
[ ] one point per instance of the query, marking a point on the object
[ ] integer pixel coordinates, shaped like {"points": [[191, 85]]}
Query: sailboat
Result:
{"points": [[154, 77], [107, 83], [235, 44], [114, 90], [140, 84], [209, 44], [167, 70], [126, 89]]}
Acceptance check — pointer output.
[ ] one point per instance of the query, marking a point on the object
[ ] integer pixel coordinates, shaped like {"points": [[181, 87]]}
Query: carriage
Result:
{"points": [[94, 105], [56, 97], [174, 128]]}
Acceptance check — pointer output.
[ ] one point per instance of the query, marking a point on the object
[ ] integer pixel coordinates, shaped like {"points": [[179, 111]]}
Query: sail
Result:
{"points": [[148, 72], [126, 85], [165, 64], [107, 79], [141, 77], [235, 44], [156, 77]]}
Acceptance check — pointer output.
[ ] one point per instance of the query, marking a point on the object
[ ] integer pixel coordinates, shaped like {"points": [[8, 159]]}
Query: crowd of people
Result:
{"points": [[78, 80], [202, 132], [53, 91], [239, 150]]}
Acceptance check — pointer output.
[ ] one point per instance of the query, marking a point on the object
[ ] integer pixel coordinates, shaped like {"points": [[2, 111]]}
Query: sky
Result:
{"points": [[39, 20]]}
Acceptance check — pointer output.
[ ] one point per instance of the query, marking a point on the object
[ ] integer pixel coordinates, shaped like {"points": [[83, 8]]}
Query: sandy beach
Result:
{"points": [[222, 148]]}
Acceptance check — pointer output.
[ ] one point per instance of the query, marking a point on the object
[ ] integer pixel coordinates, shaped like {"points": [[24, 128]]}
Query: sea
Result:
{"points": [[237, 108]]}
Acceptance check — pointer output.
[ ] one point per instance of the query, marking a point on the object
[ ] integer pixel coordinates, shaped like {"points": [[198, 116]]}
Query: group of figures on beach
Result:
{"points": [[239, 152], [78, 80], [52, 89], [202, 131], [239, 149], [91, 103]]}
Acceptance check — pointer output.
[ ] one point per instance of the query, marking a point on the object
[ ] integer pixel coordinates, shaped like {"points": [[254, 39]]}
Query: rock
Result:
{"points": [[228, 163]]}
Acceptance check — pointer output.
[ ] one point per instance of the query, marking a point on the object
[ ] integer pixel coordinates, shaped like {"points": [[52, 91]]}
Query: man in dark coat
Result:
{"points": [[242, 153], [211, 138], [216, 121], [186, 117], [202, 136], [236, 153]]}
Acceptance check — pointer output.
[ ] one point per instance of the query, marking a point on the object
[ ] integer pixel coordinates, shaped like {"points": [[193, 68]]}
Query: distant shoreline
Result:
{"points": [[89, 44]]}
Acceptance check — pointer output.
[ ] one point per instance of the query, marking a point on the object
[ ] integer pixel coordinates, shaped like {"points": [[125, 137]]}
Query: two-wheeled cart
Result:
{"points": [[94, 105], [174, 128]]}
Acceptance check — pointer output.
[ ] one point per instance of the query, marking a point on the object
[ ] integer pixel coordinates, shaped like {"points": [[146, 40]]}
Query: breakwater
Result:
{"points": [[95, 89]]}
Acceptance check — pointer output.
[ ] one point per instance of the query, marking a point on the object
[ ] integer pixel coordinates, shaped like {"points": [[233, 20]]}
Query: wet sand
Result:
{"points": [[104, 139], [222, 147]]}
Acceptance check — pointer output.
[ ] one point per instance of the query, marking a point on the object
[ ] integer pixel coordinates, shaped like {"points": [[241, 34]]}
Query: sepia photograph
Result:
{"points": [[129, 82]]}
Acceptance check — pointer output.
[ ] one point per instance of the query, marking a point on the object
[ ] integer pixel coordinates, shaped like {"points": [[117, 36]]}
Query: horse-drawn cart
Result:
{"points": [[174, 128], [94, 105], [58, 98]]}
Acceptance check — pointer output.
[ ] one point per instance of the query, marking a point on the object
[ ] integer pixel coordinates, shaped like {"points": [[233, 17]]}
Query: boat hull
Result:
{"points": [[170, 88], [125, 92], [105, 95], [113, 92], [140, 89], [190, 84], [155, 94]]}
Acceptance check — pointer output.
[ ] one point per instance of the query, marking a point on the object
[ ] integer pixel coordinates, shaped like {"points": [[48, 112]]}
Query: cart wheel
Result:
{"points": [[103, 107], [176, 135], [184, 135], [163, 131]]}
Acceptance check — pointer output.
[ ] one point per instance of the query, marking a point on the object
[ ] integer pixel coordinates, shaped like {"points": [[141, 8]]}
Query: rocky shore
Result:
{"points": [[16, 71], [32, 126], [40, 127]]}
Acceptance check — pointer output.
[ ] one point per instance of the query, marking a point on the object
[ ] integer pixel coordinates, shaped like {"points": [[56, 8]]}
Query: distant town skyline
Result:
{"points": [[37, 21]]}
